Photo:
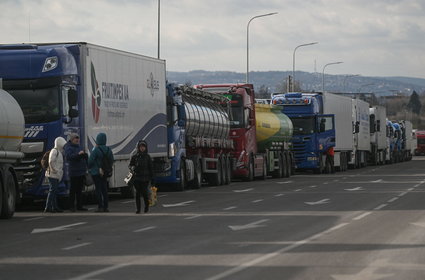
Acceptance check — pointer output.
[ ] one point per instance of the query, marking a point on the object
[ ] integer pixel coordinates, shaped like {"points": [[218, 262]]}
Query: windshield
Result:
{"points": [[303, 126], [39, 105], [421, 141], [238, 114]]}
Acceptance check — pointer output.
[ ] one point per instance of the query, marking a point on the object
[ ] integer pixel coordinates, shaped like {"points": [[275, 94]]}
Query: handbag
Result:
{"points": [[129, 178], [88, 179]]}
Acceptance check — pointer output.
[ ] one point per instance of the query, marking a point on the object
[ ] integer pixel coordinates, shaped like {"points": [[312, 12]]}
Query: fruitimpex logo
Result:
{"points": [[95, 95], [33, 131], [153, 84]]}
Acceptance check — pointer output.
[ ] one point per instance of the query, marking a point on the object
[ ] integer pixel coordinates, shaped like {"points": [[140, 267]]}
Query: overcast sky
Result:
{"points": [[371, 37]]}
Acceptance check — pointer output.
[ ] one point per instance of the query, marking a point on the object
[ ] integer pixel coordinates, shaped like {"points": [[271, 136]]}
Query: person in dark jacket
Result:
{"points": [[141, 166], [95, 164]]}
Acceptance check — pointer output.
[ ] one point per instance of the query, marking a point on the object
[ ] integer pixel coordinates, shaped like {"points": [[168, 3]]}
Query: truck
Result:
{"points": [[11, 135], [83, 88], [406, 140], [261, 134], [391, 142], [199, 139], [378, 136], [362, 145], [420, 138]]}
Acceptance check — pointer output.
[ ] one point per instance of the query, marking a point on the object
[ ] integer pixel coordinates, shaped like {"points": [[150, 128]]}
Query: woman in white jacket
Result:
{"points": [[55, 173]]}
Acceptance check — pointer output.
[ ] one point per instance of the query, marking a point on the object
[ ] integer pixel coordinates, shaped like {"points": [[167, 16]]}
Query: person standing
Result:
{"points": [[95, 168], [142, 168], [77, 167], [54, 173]]}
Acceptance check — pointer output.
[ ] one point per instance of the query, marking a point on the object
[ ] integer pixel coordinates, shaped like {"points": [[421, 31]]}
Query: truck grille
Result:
{"points": [[299, 149], [29, 170]]}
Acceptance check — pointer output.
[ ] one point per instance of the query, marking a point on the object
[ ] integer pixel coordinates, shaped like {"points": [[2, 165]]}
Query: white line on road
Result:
{"points": [[325, 183], [323, 201], [128, 201], [411, 189], [100, 271], [244, 190], [298, 190], [230, 208], [279, 194], [313, 187], [144, 229], [185, 203], [380, 206], [33, 219], [59, 228], [256, 201], [193, 217], [284, 182], [76, 246], [162, 195], [362, 216], [402, 194], [393, 199]]}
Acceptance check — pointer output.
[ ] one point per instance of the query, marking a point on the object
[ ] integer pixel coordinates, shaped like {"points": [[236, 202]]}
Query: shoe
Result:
{"points": [[48, 211], [146, 209], [99, 210], [82, 209], [138, 212], [58, 210], [106, 210]]}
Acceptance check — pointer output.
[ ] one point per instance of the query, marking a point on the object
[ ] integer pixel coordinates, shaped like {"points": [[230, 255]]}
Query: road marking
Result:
{"points": [[144, 229], [249, 226], [402, 194], [393, 199], [336, 227], [323, 201], [284, 182], [336, 180], [128, 201], [369, 272], [298, 190], [244, 190], [325, 183], [380, 207], [33, 219], [362, 216], [193, 217], [162, 195], [313, 186], [76, 246], [279, 194], [377, 181], [265, 257], [230, 208], [411, 189], [65, 227], [256, 201], [185, 203], [355, 189], [101, 271]]}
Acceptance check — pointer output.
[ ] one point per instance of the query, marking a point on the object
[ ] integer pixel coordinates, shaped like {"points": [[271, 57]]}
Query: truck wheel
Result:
{"points": [[215, 178], [287, 166], [223, 171], [264, 176], [250, 170], [182, 185], [9, 196], [319, 170], [229, 170], [292, 166]]}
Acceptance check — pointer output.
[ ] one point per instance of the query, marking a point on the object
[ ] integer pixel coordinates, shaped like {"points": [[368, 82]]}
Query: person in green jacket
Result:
{"points": [[100, 177]]}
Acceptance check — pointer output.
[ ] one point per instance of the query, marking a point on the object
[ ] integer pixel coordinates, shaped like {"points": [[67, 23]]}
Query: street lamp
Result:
{"points": [[159, 14], [323, 73], [247, 42], [293, 61], [349, 76]]}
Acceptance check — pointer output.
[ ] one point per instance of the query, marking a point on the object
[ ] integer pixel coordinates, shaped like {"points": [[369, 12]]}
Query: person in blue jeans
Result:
{"points": [[55, 173], [95, 164]]}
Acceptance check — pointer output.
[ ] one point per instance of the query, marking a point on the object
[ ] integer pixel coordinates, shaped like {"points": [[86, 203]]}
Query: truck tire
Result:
{"points": [[264, 176], [223, 171], [319, 170], [9, 196], [292, 166], [287, 165], [229, 170], [183, 182]]}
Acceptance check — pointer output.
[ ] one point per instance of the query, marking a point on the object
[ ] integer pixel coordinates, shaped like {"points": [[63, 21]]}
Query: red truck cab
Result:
{"points": [[420, 136]]}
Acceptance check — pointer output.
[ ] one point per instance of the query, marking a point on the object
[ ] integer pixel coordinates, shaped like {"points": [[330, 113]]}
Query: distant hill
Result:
{"points": [[309, 81]]}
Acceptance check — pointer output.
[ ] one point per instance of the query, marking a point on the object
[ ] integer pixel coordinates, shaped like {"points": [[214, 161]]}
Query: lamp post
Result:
{"points": [[159, 17], [349, 76], [293, 61], [323, 73], [247, 42]]}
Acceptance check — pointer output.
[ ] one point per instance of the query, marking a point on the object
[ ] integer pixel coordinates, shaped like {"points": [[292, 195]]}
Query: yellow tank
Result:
{"points": [[273, 127]]}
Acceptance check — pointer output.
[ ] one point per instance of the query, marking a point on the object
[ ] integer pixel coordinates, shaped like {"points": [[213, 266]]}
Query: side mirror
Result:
{"points": [[357, 129], [378, 125], [73, 113], [72, 97]]}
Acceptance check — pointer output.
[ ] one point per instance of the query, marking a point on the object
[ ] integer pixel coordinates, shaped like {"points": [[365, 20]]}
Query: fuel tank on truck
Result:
{"points": [[205, 115], [11, 124], [273, 127]]}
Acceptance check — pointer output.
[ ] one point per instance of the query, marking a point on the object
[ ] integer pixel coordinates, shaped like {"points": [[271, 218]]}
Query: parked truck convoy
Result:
{"points": [[86, 89], [11, 135], [261, 134]]}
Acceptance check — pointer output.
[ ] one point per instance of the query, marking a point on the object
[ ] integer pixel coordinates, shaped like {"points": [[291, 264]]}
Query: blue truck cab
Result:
{"points": [[44, 80], [314, 132]]}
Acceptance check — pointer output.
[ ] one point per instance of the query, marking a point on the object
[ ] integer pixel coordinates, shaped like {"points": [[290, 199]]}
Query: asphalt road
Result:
{"points": [[362, 224]]}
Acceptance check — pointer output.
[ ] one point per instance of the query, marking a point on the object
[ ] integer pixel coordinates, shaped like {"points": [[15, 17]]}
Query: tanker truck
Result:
{"points": [[262, 144], [198, 137], [11, 135]]}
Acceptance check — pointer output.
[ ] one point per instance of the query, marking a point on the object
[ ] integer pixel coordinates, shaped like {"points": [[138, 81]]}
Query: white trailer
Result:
{"points": [[341, 107], [361, 135], [407, 136], [124, 97], [11, 135], [378, 137]]}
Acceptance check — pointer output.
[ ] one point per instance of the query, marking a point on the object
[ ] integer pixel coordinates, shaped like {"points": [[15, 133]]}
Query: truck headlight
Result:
{"points": [[50, 63]]}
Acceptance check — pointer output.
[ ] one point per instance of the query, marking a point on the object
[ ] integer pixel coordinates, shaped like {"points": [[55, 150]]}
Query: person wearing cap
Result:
{"points": [[142, 168], [95, 164], [77, 167]]}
